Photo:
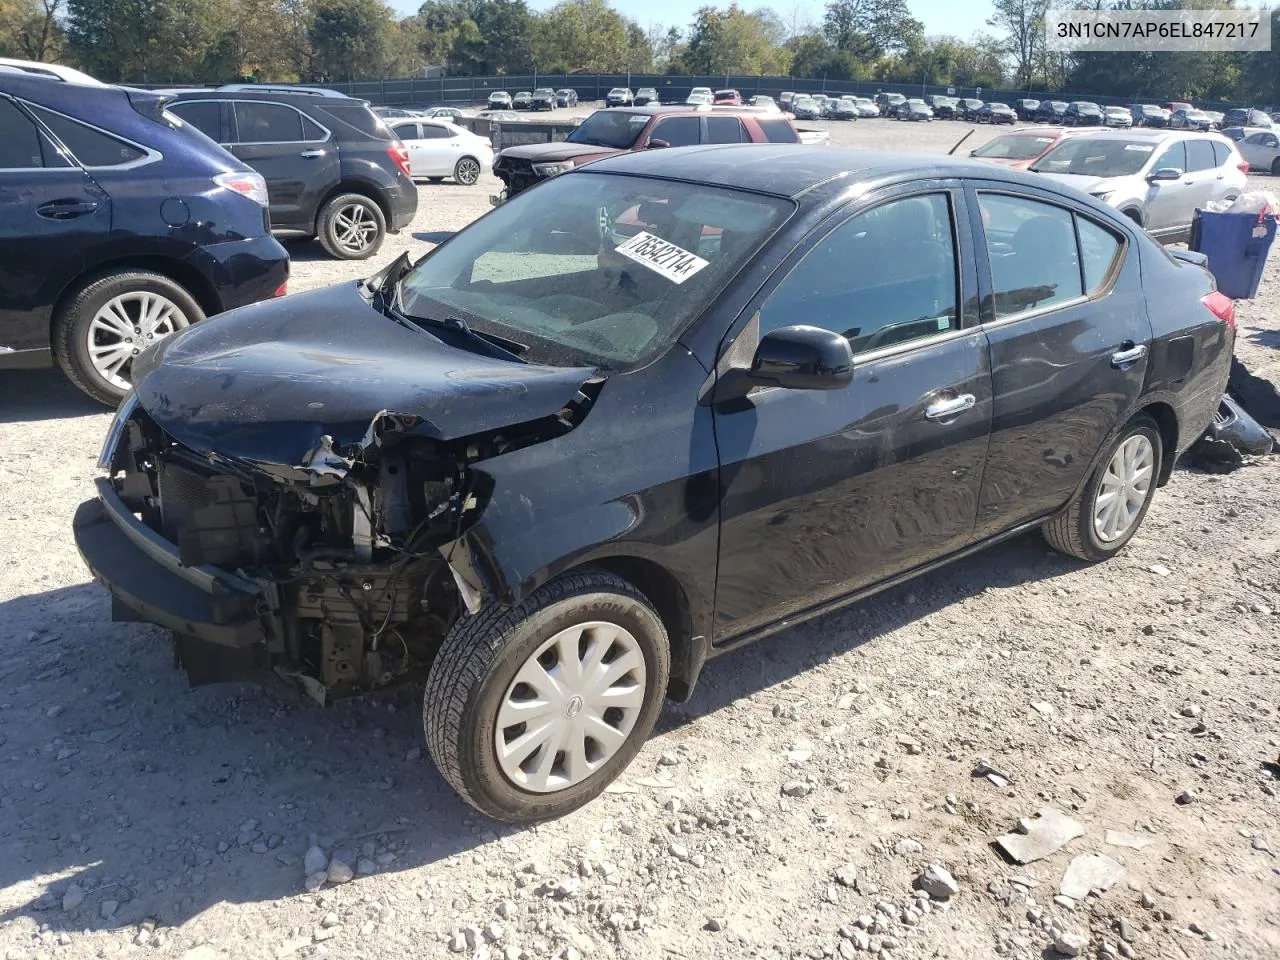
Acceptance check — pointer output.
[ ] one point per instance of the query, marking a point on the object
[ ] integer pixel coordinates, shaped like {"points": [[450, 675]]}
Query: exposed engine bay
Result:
{"points": [[350, 549]]}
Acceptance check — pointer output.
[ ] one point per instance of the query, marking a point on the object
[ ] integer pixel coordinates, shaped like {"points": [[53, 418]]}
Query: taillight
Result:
{"points": [[1221, 306], [1243, 166], [400, 154], [247, 184], [282, 289]]}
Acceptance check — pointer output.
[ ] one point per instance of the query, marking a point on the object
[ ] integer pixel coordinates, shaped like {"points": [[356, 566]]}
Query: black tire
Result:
{"points": [[477, 663], [467, 171], [1072, 530], [1275, 167], [327, 226], [71, 328]]}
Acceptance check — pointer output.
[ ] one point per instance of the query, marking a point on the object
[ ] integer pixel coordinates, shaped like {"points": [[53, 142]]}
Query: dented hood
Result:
{"points": [[265, 383]]}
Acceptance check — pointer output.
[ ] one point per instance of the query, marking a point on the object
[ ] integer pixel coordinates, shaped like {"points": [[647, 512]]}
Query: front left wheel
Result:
{"points": [[531, 712]]}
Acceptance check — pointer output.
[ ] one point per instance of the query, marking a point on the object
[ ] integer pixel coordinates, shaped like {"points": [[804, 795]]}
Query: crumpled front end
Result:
{"points": [[334, 573]]}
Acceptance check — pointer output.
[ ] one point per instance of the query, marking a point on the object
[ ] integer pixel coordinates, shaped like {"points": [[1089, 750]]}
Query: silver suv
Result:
{"points": [[1157, 178]]}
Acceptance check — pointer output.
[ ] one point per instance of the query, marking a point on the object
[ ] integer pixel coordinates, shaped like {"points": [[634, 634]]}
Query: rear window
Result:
{"points": [[92, 148], [778, 130]]}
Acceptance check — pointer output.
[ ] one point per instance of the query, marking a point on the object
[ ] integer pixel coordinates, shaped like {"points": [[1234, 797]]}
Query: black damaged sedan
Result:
{"points": [[657, 408]]}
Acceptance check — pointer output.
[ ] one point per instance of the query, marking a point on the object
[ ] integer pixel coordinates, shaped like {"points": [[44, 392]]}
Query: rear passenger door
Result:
{"points": [[1067, 329], [725, 130], [52, 213], [296, 156], [1206, 177]]}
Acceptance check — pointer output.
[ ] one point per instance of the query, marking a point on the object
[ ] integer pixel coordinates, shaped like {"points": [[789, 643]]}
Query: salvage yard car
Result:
{"points": [[1020, 148], [119, 225], [607, 132], [657, 408], [1157, 178]]}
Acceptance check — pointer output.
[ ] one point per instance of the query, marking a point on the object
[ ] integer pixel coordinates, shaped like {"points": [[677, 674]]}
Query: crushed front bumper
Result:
{"points": [[148, 582]]}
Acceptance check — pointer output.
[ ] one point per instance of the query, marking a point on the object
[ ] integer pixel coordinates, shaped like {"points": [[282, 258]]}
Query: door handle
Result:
{"points": [[942, 409], [66, 209], [1128, 355], [311, 154]]}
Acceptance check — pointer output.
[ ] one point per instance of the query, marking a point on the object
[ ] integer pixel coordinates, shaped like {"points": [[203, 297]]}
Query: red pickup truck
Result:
{"points": [[609, 132]]}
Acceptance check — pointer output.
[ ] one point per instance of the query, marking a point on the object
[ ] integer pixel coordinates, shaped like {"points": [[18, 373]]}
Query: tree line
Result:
{"points": [[204, 41]]}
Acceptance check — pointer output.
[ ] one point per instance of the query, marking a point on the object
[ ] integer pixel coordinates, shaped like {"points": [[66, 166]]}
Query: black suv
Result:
{"points": [[333, 168], [119, 225]]}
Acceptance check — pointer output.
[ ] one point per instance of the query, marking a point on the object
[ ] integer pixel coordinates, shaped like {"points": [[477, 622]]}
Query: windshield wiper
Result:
{"points": [[494, 345]]}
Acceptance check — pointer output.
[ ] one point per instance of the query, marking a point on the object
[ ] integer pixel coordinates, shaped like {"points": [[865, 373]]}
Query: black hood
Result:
{"points": [[265, 383]]}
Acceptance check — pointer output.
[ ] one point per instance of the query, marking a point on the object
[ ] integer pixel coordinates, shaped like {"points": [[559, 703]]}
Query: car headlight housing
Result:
{"points": [[551, 169]]}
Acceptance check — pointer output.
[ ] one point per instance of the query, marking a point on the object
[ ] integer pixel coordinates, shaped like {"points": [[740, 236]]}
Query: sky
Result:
{"points": [[961, 18]]}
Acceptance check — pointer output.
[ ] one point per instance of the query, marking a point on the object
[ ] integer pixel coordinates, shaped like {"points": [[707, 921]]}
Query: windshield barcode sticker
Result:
{"points": [[660, 256]]}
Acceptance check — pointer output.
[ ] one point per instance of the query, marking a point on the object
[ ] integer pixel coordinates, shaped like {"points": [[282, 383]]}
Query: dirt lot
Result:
{"points": [[787, 811]]}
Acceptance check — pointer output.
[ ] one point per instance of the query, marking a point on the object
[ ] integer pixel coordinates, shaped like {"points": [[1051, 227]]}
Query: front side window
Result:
{"points": [[1032, 249], [406, 131], [594, 269], [90, 147], [1174, 157], [267, 123], [677, 131], [883, 277]]}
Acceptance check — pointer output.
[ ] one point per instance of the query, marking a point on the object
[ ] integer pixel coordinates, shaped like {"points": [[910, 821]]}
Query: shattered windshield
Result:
{"points": [[592, 267], [610, 128]]}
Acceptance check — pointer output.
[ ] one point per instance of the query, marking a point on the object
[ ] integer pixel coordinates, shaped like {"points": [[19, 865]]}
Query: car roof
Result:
{"points": [[254, 91], [796, 170], [291, 89], [49, 71]]}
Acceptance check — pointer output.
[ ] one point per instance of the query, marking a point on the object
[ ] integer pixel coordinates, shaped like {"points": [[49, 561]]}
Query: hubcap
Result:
{"points": [[354, 228], [468, 171], [126, 325], [1124, 488], [571, 707]]}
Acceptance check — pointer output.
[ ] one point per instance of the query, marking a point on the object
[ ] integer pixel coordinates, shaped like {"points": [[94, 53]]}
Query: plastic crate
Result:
{"points": [[1237, 245]]}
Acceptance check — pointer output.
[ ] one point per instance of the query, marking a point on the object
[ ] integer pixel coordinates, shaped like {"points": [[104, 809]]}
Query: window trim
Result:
{"points": [[44, 139], [149, 156], [328, 134], [1104, 289], [949, 191]]}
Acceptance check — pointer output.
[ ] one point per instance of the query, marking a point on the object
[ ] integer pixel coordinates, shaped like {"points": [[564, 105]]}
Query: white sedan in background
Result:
{"points": [[1261, 148], [439, 149]]}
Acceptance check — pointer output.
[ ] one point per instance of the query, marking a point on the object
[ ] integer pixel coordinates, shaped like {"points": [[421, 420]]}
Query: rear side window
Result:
{"points": [[726, 130], [1221, 153], [1200, 155], [356, 115], [20, 143], [1032, 249], [1099, 248], [204, 115], [267, 123], [92, 148], [677, 131], [777, 130]]}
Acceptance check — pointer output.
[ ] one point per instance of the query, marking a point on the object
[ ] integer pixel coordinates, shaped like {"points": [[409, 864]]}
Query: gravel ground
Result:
{"points": [[790, 810]]}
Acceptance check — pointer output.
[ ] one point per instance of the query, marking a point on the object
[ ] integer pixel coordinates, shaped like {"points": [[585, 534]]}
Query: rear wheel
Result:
{"points": [[1106, 514], [1275, 167], [110, 320], [467, 171], [351, 227], [531, 712]]}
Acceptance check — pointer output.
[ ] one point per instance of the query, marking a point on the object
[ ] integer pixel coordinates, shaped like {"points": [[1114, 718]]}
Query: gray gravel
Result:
{"points": [[131, 819]]}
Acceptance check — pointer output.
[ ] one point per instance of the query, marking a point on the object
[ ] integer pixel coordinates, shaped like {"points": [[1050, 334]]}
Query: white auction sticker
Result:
{"points": [[661, 256]]}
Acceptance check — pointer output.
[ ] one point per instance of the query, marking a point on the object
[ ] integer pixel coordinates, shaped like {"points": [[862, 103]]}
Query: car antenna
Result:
{"points": [[960, 141]]}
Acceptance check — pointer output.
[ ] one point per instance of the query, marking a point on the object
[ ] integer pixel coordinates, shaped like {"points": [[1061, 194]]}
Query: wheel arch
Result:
{"points": [[183, 274], [1133, 213], [362, 187], [1166, 419]]}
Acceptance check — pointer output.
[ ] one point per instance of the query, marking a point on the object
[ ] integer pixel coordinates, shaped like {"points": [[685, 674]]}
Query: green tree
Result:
{"points": [[734, 41], [1022, 22], [348, 38], [31, 29], [582, 35], [869, 29]]}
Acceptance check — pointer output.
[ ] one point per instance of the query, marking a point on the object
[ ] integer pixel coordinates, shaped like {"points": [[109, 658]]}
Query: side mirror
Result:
{"points": [[803, 358], [1164, 173], [793, 358], [656, 144]]}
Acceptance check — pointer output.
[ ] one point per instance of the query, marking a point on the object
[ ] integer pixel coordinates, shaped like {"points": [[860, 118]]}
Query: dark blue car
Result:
{"points": [[119, 225]]}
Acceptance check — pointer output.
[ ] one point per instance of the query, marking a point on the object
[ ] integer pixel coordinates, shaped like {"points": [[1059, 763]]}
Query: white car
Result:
{"points": [[438, 149], [700, 95], [1116, 117], [866, 107], [1157, 178], [1261, 148], [447, 113]]}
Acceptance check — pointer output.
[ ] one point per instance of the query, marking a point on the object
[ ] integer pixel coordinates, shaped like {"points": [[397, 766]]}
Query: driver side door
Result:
{"points": [[825, 492]]}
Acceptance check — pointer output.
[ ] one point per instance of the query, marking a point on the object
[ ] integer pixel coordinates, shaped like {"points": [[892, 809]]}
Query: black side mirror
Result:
{"points": [[793, 358], [1165, 173], [656, 144]]}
